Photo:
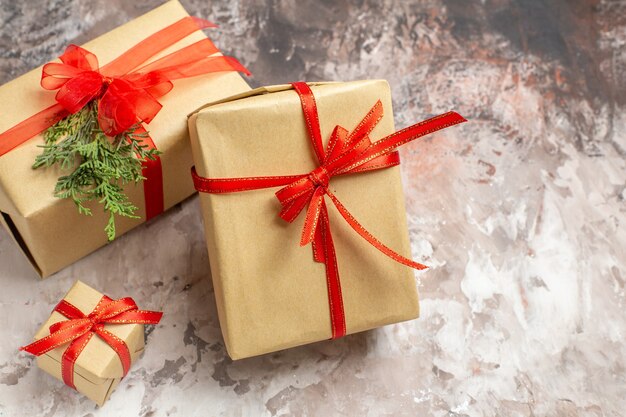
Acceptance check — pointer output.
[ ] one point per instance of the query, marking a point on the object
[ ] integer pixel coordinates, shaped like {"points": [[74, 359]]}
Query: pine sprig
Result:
{"points": [[101, 165]]}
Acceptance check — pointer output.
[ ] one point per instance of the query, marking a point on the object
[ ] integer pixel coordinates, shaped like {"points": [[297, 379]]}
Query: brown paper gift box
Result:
{"points": [[49, 230], [98, 369], [270, 293]]}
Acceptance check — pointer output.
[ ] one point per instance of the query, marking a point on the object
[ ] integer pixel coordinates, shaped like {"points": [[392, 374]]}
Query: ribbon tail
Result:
{"points": [[408, 134], [61, 332], [31, 127], [57, 338], [292, 209], [370, 238], [311, 221], [137, 317], [336, 143], [369, 122], [318, 246], [333, 284], [154, 44], [191, 53], [381, 162], [203, 66]]}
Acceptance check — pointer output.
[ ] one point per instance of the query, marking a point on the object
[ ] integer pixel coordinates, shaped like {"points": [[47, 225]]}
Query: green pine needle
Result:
{"points": [[101, 165]]}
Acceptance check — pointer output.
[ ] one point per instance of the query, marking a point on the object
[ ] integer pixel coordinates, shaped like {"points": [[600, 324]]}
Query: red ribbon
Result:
{"points": [[127, 93], [79, 328], [346, 153]]}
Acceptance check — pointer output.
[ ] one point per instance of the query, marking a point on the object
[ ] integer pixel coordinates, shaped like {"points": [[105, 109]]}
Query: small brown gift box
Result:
{"points": [[98, 369], [270, 293], [49, 230]]}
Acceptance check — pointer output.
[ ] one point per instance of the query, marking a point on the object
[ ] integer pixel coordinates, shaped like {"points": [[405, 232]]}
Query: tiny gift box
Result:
{"points": [[50, 230], [309, 144], [90, 341]]}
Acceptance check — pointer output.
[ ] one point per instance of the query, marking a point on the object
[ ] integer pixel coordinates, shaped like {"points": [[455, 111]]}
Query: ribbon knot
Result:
{"points": [[93, 320], [78, 329], [346, 153], [319, 177]]}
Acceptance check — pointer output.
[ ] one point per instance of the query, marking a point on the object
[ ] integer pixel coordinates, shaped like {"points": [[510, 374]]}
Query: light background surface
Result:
{"points": [[520, 213]]}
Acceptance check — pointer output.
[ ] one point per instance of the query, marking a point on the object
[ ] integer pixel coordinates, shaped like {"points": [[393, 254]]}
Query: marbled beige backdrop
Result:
{"points": [[520, 213]]}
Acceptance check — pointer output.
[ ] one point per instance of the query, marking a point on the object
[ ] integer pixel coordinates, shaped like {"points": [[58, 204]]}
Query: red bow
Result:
{"points": [[127, 92], [79, 328], [130, 98], [346, 153]]}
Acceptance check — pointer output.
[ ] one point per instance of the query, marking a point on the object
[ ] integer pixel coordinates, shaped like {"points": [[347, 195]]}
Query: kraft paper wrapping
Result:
{"points": [[98, 369], [50, 231], [270, 293]]}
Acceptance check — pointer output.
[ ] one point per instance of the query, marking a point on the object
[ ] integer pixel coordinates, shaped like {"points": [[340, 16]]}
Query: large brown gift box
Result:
{"points": [[270, 293], [98, 369], [49, 230]]}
